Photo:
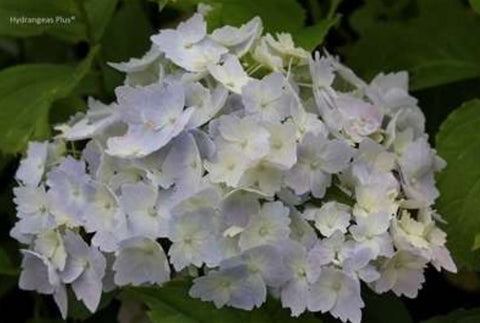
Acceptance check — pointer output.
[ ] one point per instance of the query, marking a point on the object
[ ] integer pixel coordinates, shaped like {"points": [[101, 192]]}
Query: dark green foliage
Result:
{"points": [[171, 304], [458, 141]]}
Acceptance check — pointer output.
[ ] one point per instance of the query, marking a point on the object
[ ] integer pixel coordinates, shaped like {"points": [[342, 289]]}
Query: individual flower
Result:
{"points": [[403, 274], [206, 103], [267, 98], [371, 232], [318, 158], [154, 115], [98, 118], [146, 210], [142, 71], [282, 51], [84, 269], [294, 293], [33, 209], [263, 177], [140, 260], [337, 293], [230, 73], [245, 134], [269, 226], [265, 261], [227, 167], [39, 274], [230, 286], [390, 91], [32, 168], [417, 166], [50, 245], [193, 239], [359, 118], [188, 46], [332, 216], [283, 145], [68, 188], [238, 40], [424, 237]]}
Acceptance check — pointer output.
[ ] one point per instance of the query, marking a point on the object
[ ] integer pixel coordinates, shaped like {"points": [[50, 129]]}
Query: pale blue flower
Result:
{"points": [[142, 71], [194, 239], [32, 209], [230, 73], [231, 286], [188, 46], [239, 40], [38, 274], [265, 261], [269, 226], [146, 210], [154, 114], [68, 185], [184, 165], [294, 293], [318, 158], [337, 293], [98, 118], [84, 269], [207, 103], [32, 168], [267, 98], [140, 260], [371, 232], [403, 274]]}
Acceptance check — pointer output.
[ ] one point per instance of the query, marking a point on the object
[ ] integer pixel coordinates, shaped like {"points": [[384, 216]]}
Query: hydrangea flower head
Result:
{"points": [[214, 157]]}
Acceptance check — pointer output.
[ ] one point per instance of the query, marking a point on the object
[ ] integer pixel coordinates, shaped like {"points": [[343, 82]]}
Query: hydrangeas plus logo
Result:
{"points": [[23, 20]]}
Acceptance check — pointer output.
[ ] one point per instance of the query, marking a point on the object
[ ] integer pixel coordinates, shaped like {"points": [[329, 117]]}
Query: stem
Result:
{"points": [[333, 8], [37, 306], [254, 69], [99, 59], [315, 10]]}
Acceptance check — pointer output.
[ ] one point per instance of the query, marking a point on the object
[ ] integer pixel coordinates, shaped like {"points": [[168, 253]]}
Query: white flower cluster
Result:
{"points": [[240, 160]]}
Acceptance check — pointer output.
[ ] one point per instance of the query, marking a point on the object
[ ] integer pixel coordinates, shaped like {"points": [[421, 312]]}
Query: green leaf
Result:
{"points": [[476, 242], [438, 102], [26, 94], [437, 45], [62, 109], [171, 303], [475, 5], [78, 311], [99, 15], [378, 307], [458, 316], [312, 36], [277, 15], [128, 35], [6, 266], [161, 3], [7, 283], [458, 142], [464, 279], [62, 19]]}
